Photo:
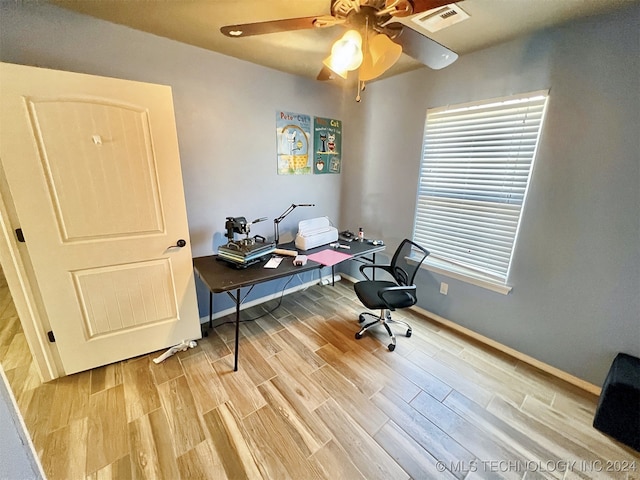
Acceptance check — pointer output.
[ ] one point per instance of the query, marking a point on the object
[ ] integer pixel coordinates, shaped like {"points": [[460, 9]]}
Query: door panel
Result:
{"points": [[115, 181], [93, 167], [120, 297]]}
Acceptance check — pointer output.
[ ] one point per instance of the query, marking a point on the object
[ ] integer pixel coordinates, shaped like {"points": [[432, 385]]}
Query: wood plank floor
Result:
{"points": [[310, 401]]}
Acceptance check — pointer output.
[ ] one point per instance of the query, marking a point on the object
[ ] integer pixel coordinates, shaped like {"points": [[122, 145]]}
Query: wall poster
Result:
{"points": [[327, 136], [293, 133]]}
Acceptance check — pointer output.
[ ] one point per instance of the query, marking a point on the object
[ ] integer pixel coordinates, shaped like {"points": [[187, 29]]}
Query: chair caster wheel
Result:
{"points": [[391, 347], [361, 318], [358, 336], [409, 332]]}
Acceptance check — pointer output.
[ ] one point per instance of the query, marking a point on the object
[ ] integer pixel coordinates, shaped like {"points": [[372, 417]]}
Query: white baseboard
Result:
{"points": [[325, 280], [350, 278], [551, 370]]}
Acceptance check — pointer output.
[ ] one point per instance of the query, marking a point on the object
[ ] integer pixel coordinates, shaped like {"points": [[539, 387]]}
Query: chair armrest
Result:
{"points": [[372, 266], [409, 289]]}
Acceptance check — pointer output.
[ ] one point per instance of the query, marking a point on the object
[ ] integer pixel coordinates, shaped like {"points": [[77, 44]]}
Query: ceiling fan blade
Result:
{"points": [[424, 5], [271, 26], [425, 50]]}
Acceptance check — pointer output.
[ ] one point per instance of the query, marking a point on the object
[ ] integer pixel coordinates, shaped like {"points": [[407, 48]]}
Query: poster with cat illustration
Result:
{"points": [[327, 142], [293, 135]]}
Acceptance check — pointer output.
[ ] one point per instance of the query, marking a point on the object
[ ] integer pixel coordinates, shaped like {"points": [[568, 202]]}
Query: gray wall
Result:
{"points": [[225, 114], [17, 459], [576, 271]]}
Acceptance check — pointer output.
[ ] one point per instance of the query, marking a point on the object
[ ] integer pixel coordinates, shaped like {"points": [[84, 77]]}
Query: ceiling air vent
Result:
{"points": [[440, 18]]}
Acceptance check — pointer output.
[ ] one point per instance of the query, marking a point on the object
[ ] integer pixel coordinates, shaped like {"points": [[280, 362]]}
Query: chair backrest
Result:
{"points": [[406, 261]]}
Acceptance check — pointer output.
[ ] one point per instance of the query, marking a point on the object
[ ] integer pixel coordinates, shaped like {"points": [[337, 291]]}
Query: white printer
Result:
{"points": [[315, 232]]}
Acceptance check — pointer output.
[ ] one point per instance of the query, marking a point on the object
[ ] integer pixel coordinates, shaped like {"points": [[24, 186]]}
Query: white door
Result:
{"points": [[93, 168]]}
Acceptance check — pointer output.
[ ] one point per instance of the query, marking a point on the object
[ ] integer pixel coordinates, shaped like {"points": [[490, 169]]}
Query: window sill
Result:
{"points": [[460, 273]]}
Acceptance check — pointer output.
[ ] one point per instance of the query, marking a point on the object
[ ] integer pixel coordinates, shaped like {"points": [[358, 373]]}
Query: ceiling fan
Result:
{"points": [[374, 40]]}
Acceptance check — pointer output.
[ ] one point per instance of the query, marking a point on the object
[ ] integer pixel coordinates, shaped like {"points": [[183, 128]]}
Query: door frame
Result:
{"points": [[24, 292]]}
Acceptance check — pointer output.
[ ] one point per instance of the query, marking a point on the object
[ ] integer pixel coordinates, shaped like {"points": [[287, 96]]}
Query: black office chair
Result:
{"points": [[387, 295]]}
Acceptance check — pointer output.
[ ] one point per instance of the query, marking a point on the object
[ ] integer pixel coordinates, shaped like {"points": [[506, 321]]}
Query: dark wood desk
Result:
{"points": [[356, 248], [220, 277], [359, 252]]}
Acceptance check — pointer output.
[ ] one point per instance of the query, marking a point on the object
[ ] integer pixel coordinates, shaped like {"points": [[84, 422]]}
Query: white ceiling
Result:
{"points": [[198, 22]]}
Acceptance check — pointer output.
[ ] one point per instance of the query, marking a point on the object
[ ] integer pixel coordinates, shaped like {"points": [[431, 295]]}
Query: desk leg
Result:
{"points": [[238, 301], [210, 309], [235, 365], [374, 270], [333, 276]]}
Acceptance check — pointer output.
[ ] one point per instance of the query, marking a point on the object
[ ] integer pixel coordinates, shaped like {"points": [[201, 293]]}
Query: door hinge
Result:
{"points": [[19, 235], [52, 338]]}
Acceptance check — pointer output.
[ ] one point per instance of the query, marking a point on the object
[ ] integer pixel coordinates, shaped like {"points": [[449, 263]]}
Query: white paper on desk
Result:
{"points": [[273, 263]]}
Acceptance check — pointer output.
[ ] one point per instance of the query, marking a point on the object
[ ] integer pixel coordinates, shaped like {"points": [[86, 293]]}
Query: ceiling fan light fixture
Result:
{"points": [[346, 54], [333, 68], [382, 54]]}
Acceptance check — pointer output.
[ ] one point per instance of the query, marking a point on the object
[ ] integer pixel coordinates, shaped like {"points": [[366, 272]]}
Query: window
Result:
{"points": [[476, 164]]}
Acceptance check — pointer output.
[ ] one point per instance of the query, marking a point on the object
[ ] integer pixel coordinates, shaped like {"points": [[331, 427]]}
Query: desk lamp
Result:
{"points": [[276, 221]]}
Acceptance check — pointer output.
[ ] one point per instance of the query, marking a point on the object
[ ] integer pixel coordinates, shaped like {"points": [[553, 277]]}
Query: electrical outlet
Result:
{"points": [[444, 288]]}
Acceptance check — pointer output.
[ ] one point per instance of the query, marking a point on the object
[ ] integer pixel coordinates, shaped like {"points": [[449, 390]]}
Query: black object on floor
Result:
{"points": [[618, 412]]}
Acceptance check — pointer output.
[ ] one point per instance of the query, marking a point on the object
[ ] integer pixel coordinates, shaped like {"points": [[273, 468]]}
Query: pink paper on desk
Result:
{"points": [[328, 257]]}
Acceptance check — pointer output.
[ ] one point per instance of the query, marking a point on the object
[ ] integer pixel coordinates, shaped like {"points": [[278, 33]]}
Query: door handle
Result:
{"points": [[179, 244]]}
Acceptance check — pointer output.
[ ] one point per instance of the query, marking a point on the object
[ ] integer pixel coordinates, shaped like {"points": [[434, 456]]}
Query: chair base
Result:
{"points": [[383, 319]]}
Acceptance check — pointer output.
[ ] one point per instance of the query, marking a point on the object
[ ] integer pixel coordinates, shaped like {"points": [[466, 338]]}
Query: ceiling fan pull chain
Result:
{"points": [[365, 52], [361, 87]]}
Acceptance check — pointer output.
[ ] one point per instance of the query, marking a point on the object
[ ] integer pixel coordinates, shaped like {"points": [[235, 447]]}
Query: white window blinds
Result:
{"points": [[474, 174]]}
